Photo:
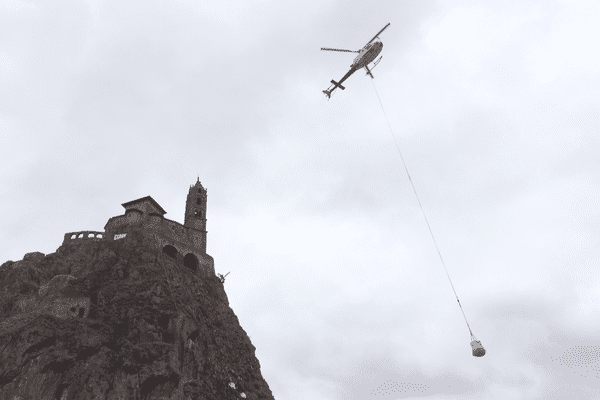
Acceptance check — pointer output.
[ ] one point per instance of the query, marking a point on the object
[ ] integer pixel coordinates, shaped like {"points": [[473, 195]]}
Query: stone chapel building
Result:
{"points": [[187, 241]]}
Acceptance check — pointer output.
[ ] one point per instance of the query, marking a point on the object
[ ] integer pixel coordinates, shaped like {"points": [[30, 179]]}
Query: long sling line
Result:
{"points": [[420, 205]]}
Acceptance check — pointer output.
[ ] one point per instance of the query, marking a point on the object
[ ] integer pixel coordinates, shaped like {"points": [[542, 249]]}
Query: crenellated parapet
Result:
{"points": [[82, 236]]}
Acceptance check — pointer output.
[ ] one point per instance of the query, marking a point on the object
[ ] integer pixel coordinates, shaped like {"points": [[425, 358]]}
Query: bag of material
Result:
{"points": [[478, 350]]}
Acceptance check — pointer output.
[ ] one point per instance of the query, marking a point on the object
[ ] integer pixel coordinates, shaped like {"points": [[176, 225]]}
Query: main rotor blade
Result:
{"points": [[374, 37], [347, 51]]}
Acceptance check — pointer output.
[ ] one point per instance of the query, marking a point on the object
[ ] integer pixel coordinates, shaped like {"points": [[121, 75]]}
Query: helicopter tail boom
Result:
{"points": [[331, 89], [337, 84]]}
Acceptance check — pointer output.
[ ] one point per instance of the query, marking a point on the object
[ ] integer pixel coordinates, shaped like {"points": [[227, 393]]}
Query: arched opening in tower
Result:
{"points": [[191, 262], [170, 251]]}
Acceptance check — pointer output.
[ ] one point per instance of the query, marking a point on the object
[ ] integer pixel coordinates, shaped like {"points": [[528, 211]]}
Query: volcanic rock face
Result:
{"points": [[120, 320]]}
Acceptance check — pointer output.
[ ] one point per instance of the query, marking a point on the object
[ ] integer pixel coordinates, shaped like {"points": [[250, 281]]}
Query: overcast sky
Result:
{"points": [[333, 273]]}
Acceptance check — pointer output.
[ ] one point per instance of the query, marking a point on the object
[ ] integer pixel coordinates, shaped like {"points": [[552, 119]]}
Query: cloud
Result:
{"points": [[333, 272]]}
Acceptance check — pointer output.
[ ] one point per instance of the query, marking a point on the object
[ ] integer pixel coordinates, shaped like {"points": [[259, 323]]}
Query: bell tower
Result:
{"points": [[195, 214]]}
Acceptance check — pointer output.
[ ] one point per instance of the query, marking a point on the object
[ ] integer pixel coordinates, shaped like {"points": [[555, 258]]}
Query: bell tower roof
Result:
{"points": [[198, 185]]}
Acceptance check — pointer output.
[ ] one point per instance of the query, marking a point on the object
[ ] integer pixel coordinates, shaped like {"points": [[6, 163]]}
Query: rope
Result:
{"points": [[421, 206]]}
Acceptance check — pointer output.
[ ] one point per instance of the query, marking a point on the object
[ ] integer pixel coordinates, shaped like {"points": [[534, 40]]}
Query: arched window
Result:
{"points": [[91, 235], [73, 236], [80, 236], [190, 261], [170, 251], [199, 201]]}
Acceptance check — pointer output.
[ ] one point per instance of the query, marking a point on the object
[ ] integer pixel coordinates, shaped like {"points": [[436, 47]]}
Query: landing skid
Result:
{"points": [[373, 67]]}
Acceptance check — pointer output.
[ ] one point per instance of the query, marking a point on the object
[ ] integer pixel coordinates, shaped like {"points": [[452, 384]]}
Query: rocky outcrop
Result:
{"points": [[120, 320]]}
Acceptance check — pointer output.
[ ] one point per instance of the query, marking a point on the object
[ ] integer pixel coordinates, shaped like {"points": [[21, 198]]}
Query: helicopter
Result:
{"points": [[365, 55]]}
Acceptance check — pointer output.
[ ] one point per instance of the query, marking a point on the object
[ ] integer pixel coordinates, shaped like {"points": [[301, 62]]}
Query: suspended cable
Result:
{"points": [[426, 220]]}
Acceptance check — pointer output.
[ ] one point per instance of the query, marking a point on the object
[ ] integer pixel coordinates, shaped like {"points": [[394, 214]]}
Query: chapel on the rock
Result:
{"points": [[187, 241]]}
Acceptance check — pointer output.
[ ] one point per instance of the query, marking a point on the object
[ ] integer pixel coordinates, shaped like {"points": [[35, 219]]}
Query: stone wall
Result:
{"points": [[81, 236], [164, 230], [159, 239], [206, 262], [115, 222], [167, 228]]}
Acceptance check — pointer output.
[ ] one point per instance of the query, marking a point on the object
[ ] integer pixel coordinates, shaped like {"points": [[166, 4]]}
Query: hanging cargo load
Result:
{"points": [[477, 347]]}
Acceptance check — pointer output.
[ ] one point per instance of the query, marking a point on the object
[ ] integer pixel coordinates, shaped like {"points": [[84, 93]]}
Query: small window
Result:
{"points": [[199, 201], [80, 236], [99, 236], [73, 236], [73, 309], [81, 312], [91, 235]]}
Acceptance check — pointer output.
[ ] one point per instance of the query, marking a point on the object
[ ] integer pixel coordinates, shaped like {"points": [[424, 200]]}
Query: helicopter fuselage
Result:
{"points": [[367, 54]]}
